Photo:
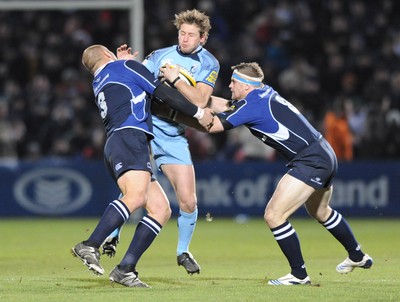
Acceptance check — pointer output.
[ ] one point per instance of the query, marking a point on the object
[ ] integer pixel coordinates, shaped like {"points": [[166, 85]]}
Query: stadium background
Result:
{"points": [[338, 61]]}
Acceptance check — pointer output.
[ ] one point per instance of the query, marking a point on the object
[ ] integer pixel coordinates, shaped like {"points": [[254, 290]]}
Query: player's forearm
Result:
{"points": [[198, 95], [218, 104], [217, 126], [177, 101], [164, 111]]}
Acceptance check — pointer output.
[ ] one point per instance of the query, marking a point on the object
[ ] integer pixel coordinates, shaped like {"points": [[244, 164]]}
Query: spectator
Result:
{"points": [[313, 44], [337, 131]]}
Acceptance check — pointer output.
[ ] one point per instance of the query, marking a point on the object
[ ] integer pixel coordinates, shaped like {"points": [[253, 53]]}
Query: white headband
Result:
{"points": [[246, 79]]}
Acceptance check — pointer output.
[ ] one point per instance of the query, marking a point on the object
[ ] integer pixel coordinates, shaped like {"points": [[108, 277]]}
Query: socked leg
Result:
{"points": [[182, 178], [290, 194]]}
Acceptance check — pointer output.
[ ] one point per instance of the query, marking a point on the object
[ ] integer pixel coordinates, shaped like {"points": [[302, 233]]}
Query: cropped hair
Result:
{"points": [[91, 56], [251, 69]]}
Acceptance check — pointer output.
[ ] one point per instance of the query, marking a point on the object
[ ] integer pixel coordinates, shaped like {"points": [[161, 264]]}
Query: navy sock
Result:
{"points": [[286, 237], [146, 231], [340, 229], [113, 217]]}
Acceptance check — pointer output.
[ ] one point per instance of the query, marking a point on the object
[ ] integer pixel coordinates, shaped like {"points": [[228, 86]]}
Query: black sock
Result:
{"points": [[340, 229], [114, 216], [146, 231], [287, 239]]}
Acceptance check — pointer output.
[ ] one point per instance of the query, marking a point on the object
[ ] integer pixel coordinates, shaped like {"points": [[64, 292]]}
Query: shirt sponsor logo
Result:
{"points": [[212, 78], [98, 87]]}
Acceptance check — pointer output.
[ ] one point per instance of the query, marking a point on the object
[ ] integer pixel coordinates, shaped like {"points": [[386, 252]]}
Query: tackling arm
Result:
{"points": [[217, 126], [177, 101], [198, 95], [216, 104]]}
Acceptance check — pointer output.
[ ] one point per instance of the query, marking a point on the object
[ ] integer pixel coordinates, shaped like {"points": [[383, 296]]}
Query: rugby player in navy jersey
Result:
{"points": [[312, 167], [170, 146], [123, 90]]}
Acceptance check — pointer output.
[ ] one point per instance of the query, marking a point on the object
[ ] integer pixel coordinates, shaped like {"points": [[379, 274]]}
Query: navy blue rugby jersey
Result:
{"points": [[273, 120], [122, 90]]}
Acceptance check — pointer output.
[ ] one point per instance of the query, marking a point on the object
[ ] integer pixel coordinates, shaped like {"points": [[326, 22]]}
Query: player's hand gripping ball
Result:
{"points": [[185, 76]]}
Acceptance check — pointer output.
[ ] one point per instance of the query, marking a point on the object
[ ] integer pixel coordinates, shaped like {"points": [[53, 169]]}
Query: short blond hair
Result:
{"points": [[194, 17], [251, 69], [91, 56]]}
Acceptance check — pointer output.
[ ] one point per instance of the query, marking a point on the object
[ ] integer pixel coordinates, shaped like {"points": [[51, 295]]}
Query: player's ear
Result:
{"points": [[203, 38], [109, 54]]}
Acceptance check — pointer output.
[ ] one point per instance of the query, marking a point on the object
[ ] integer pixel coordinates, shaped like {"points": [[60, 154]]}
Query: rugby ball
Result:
{"points": [[185, 76]]}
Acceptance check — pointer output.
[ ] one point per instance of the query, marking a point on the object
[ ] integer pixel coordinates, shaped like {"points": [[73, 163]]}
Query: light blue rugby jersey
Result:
{"points": [[273, 120], [202, 65]]}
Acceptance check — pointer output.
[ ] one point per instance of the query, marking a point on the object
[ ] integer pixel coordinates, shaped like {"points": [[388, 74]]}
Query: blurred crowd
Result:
{"points": [[337, 61]]}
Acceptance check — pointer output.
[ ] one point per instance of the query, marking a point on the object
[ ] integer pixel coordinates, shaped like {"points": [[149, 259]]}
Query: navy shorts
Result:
{"points": [[316, 165], [127, 149]]}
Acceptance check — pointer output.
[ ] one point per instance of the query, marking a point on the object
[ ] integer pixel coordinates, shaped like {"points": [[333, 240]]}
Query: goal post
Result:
{"points": [[135, 7]]}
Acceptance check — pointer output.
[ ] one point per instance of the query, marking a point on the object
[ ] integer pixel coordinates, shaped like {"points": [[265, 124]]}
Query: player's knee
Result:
{"points": [[269, 217], [160, 213], [188, 205], [274, 218], [167, 213], [164, 215], [321, 214]]}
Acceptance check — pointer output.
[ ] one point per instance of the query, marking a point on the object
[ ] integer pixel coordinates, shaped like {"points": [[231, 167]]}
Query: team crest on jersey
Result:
{"points": [[194, 68], [231, 108]]}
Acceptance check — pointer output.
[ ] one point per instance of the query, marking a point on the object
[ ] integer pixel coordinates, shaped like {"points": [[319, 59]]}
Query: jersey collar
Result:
{"points": [[197, 50], [100, 69]]}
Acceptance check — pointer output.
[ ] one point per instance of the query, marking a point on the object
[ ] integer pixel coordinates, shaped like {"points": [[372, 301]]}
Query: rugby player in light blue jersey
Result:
{"points": [[170, 146]]}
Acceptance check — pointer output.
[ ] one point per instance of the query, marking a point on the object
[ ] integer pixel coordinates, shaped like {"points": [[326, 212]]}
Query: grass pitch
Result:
{"points": [[237, 259]]}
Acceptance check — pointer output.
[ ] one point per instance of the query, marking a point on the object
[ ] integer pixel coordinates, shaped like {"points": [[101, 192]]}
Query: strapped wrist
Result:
{"points": [[199, 114], [175, 81]]}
